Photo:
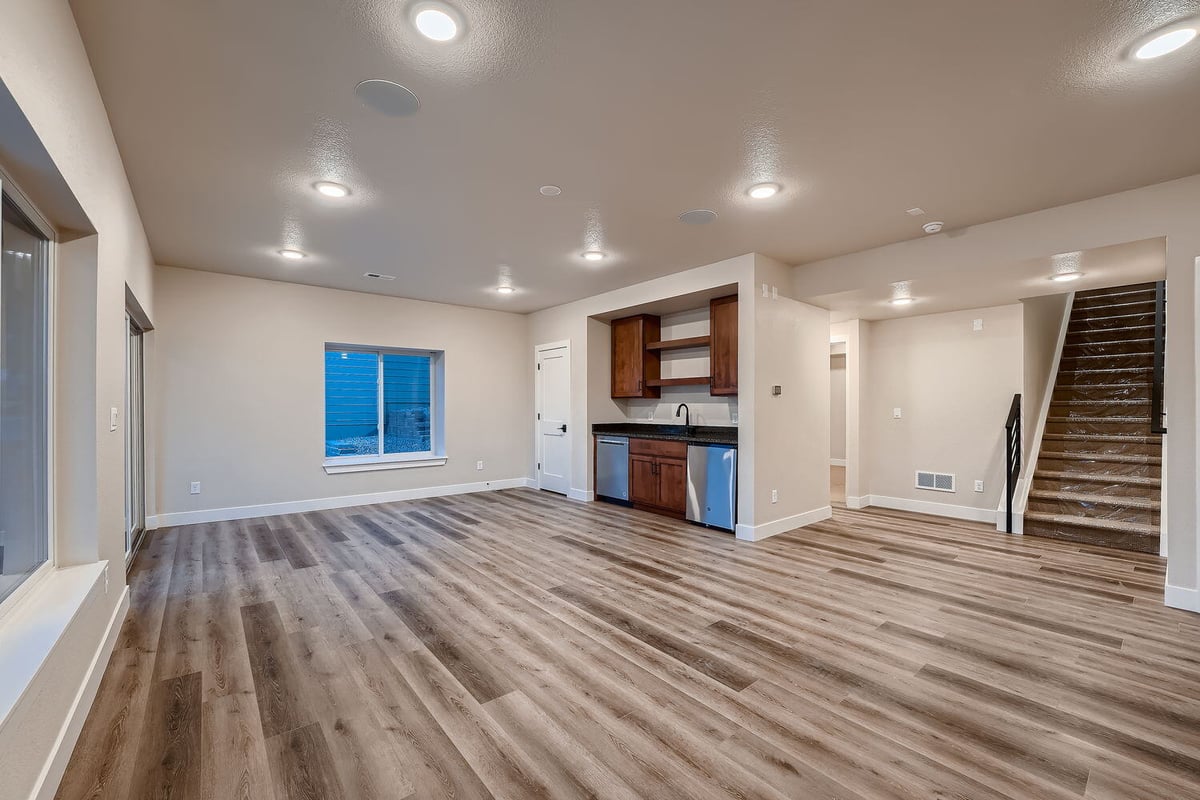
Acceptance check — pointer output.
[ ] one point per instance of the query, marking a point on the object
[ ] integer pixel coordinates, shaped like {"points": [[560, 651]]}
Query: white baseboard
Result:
{"points": [[928, 507], [1180, 597], [64, 746], [858, 502], [325, 503], [756, 533], [837, 462], [585, 495]]}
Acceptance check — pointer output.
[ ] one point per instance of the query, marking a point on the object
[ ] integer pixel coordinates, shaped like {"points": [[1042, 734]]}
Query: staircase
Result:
{"points": [[1099, 473]]}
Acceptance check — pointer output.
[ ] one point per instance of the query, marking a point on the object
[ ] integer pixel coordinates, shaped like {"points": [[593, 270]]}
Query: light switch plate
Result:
{"points": [[112, 419], [977, 325], [895, 413], [478, 465], [195, 487], [979, 486]]}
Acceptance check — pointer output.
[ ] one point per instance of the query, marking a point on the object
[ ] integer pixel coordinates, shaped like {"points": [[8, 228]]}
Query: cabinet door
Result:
{"points": [[672, 485], [643, 480], [723, 330], [633, 367]]}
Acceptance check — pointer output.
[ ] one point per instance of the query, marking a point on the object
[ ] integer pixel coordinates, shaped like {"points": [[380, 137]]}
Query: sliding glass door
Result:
{"points": [[135, 440]]}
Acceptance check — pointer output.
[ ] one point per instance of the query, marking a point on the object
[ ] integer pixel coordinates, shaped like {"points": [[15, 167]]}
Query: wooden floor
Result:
{"points": [[514, 644]]}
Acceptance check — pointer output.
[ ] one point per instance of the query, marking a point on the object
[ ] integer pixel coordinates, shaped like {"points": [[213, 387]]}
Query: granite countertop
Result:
{"points": [[694, 434]]}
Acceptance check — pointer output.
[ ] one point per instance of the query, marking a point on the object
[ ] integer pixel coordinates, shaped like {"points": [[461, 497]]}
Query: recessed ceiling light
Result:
{"points": [[1063, 277], [388, 97], [505, 289], [1165, 43], [900, 301], [436, 21], [761, 191], [550, 191], [293, 255], [331, 189], [593, 255], [698, 216]]}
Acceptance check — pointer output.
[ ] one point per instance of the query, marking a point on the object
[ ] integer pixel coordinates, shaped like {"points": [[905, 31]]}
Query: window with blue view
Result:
{"points": [[378, 403]]}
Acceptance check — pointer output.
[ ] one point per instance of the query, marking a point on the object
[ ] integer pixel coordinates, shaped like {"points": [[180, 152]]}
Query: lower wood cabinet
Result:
{"points": [[658, 475]]}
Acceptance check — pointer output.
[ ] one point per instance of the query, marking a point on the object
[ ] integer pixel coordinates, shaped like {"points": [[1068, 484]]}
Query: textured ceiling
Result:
{"points": [[227, 111]]}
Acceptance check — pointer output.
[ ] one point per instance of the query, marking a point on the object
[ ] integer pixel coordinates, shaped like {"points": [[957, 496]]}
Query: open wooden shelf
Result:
{"points": [[681, 344], [700, 380]]}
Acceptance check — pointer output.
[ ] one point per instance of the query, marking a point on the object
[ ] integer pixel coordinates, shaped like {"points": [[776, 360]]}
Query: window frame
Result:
{"points": [[435, 456], [9, 188]]}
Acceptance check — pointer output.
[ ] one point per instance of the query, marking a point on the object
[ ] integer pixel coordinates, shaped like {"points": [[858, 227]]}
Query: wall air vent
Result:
{"points": [[935, 481], [379, 277]]}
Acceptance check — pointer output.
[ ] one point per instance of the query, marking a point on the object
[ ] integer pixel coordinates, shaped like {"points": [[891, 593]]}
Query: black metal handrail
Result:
{"points": [[1012, 458], [1158, 423]]}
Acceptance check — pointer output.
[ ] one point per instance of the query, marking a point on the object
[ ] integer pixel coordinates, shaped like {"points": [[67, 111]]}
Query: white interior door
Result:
{"points": [[553, 418]]}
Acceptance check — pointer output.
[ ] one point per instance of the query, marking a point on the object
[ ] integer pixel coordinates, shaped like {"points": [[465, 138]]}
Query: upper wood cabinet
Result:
{"points": [[634, 367], [723, 323]]}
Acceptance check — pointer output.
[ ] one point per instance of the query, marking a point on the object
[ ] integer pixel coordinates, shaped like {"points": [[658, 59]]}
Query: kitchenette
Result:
{"points": [[678, 469]]}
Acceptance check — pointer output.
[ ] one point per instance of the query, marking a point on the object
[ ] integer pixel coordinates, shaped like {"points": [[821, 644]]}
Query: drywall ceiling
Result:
{"points": [[981, 284], [226, 113]]}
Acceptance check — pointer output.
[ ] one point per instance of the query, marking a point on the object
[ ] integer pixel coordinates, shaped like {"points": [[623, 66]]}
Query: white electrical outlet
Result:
{"points": [[195, 487], [978, 325], [979, 486], [478, 465], [774, 495], [774, 292]]}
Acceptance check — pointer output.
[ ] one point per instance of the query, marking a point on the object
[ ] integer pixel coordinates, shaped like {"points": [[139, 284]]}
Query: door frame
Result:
{"points": [[537, 413]]}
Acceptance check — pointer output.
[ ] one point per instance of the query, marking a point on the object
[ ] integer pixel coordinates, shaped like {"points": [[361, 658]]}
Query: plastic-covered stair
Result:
{"points": [[1099, 473]]}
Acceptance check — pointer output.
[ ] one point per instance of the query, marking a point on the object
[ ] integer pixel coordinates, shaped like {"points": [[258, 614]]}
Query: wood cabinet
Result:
{"points": [[635, 369], [658, 475], [723, 355]]}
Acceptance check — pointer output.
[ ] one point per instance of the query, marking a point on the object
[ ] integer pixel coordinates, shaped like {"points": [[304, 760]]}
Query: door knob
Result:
{"points": [[562, 428]]}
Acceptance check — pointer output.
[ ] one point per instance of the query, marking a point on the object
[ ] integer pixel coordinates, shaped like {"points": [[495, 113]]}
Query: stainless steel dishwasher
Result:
{"points": [[712, 485], [612, 468]]}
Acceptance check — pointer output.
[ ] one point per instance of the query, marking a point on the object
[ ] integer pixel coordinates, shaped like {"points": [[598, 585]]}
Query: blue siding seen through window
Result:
{"points": [[352, 385]]}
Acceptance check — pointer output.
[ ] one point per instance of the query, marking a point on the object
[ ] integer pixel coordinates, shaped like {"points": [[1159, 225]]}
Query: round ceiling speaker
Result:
{"points": [[698, 216], [388, 97]]}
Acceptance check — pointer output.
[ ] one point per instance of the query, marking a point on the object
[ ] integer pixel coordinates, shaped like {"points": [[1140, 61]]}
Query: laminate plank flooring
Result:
{"points": [[518, 645]]}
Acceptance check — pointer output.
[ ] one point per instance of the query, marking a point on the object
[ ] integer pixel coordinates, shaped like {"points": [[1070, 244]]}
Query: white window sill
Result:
{"points": [[31, 630], [337, 467]]}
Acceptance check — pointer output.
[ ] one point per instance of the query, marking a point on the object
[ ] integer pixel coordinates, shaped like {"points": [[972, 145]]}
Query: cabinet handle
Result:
{"points": [[639, 384]]}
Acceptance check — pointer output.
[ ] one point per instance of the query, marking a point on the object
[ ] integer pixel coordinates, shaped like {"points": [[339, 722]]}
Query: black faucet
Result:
{"points": [[687, 415]]}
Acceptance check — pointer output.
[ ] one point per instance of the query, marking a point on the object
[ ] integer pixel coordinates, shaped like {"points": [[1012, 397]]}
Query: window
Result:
{"points": [[24, 392], [382, 407]]}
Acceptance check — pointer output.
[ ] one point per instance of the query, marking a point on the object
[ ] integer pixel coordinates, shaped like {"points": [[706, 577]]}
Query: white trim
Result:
{"points": [[858, 502], [337, 467], [68, 736], [36, 627], [837, 462], [928, 507], [583, 495], [1182, 597], [756, 533], [325, 503]]}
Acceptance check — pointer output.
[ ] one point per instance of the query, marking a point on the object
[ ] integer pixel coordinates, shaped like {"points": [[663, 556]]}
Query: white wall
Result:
{"points": [[242, 375], [790, 431], [837, 406], [1164, 210], [44, 66], [1042, 323], [954, 386]]}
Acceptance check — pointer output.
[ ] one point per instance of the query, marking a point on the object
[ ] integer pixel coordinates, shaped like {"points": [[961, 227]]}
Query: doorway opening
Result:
{"points": [[135, 438], [552, 391], [837, 422]]}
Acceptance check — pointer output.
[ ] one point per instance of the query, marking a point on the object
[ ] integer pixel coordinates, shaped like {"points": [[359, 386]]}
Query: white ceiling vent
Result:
{"points": [[935, 481], [377, 276]]}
